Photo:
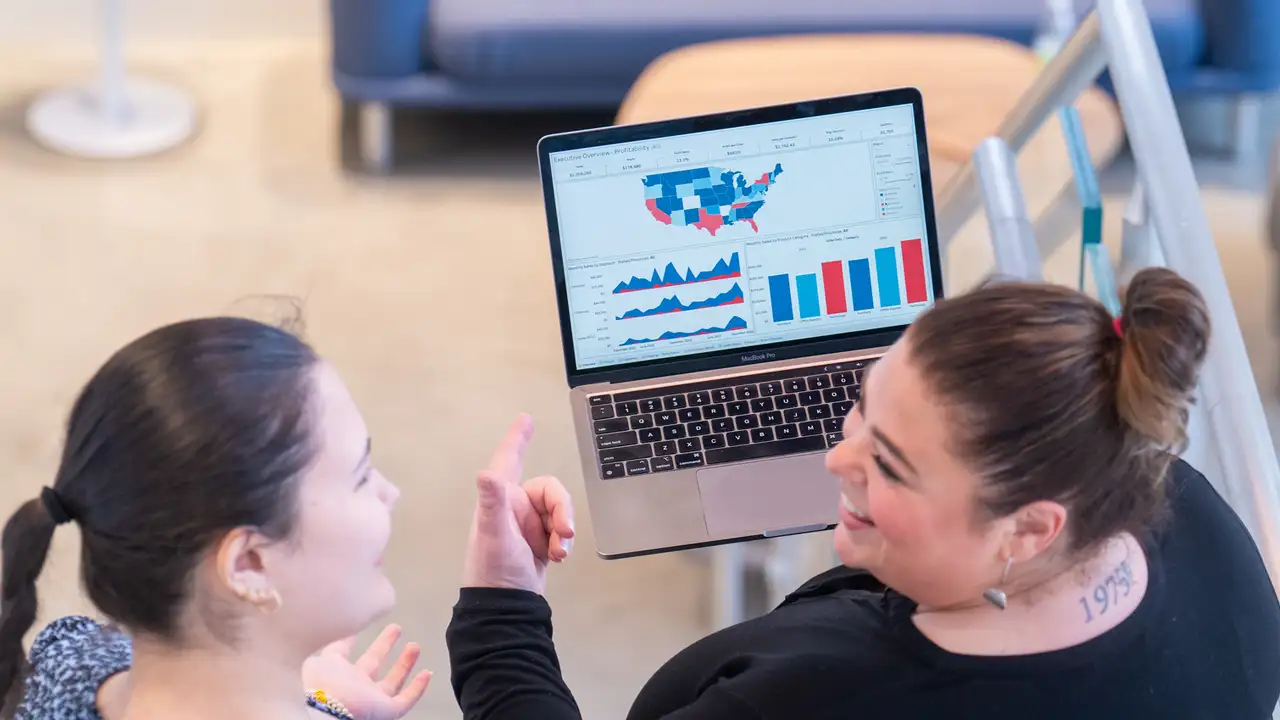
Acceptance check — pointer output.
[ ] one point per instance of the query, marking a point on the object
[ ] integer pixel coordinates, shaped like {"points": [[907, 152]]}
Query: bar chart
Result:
{"points": [[838, 286]]}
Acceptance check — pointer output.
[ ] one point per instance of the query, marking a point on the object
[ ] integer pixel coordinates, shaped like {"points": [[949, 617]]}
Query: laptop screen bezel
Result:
{"points": [[749, 354]]}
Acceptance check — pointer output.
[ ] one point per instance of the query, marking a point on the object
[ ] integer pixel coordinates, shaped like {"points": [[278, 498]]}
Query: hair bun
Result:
{"points": [[1165, 336]]}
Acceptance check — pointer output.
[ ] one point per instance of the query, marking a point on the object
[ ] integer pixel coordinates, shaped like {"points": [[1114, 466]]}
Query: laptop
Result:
{"points": [[723, 283]]}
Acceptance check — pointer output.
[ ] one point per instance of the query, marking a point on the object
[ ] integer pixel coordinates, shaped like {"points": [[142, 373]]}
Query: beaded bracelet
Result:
{"points": [[319, 700]]}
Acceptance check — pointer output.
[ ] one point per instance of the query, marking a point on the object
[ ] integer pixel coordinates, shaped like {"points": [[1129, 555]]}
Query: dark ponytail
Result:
{"points": [[26, 541]]}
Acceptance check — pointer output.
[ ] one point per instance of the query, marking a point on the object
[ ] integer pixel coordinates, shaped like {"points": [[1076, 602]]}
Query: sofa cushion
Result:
{"points": [[615, 39]]}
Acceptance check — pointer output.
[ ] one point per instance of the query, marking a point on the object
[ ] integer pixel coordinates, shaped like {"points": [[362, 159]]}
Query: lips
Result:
{"points": [[855, 513]]}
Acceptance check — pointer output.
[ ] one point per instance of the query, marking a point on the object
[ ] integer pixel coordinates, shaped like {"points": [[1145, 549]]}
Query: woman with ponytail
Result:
{"points": [[232, 528]]}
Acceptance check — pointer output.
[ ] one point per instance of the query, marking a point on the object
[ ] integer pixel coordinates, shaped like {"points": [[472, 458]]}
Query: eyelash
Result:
{"points": [[884, 468], [364, 479]]}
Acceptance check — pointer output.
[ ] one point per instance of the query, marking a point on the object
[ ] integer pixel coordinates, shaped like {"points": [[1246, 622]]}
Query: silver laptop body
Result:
{"points": [[723, 283]]}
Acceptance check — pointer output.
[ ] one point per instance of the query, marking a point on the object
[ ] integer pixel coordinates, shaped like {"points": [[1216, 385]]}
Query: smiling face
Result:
{"points": [[909, 513], [328, 572]]}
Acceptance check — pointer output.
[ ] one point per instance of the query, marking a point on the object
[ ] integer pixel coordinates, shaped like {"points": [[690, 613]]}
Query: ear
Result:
{"points": [[1035, 527], [240, 564]]}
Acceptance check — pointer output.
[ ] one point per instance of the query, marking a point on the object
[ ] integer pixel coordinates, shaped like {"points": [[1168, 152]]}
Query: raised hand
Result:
{"points": [[356, 684], [518, 528]]}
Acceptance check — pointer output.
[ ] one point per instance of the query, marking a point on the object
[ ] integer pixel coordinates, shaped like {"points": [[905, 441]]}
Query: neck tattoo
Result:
{"points": [[1110, 591]]}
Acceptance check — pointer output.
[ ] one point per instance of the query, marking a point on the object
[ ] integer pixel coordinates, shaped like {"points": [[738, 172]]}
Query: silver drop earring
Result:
{"points": [[995, 595]]}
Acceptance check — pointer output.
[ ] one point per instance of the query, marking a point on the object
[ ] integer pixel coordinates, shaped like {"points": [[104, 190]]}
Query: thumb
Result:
{"points": [[491, 501]]}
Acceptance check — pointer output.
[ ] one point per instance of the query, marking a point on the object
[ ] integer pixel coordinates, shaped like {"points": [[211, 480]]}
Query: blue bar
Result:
{"points": [[860, 284], [780, 297], [807, 289], [887, 275]]}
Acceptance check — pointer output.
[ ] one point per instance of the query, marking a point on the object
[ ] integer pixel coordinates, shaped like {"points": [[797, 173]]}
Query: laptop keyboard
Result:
{"points": [[714, 422]]}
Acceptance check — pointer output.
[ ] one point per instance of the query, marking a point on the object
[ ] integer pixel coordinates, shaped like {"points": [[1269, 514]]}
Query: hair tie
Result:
{"points": [[54, 506], [1118, 326]]}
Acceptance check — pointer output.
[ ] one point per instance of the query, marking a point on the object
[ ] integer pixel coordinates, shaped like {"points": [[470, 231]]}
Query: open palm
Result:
{"points": [[356, 684]]}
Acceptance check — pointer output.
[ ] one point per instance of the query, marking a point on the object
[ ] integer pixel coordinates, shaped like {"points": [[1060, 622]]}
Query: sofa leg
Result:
{"points": [[377, 146]]}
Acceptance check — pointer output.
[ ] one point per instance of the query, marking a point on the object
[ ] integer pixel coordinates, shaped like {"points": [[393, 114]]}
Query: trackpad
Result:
{"points": [[769, 496]]}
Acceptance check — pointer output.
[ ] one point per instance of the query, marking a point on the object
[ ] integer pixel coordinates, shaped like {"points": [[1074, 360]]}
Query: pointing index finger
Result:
{"points": [[508, 459]]}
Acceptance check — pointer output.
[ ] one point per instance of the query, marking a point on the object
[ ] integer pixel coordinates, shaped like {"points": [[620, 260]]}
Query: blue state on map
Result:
{"points": [[707, 198]]}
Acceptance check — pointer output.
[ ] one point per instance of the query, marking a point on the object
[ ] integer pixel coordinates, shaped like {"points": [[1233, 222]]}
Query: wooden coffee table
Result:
{"points": [[969, 84]]}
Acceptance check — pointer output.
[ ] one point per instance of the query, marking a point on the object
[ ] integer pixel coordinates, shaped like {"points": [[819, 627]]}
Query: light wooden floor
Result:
{"points": [[92, 254]]}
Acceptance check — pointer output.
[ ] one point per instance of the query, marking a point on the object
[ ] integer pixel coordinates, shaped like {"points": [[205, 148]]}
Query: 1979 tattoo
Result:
{"points": [[1111, 590]]}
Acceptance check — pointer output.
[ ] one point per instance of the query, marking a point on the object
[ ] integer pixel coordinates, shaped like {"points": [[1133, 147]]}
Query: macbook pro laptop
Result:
{"points": [[723, 282]]}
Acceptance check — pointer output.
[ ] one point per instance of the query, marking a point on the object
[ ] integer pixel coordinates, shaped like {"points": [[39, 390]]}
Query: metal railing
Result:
{"points": [[1232, 441]]}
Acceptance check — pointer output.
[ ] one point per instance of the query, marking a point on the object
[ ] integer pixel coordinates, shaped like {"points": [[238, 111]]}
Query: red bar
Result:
{"points": [[913, 271], [833, 287]]}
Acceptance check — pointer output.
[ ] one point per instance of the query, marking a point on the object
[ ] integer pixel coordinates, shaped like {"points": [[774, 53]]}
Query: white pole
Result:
{"points": [[111, 91]]}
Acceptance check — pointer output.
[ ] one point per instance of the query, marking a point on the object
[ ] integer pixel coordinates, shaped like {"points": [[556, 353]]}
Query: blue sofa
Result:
{"points": [[585, 54]]}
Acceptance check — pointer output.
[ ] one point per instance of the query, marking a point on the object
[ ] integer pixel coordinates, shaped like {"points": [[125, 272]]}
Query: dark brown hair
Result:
{"points": [[1053, 402], [188, 432]]}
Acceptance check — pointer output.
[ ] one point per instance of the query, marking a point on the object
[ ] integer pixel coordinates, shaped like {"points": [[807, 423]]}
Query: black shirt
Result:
{"points": [[1203, 643]]}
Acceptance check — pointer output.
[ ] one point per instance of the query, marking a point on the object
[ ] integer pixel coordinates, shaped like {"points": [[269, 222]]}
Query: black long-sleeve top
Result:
{"points": [[1204, 642]]}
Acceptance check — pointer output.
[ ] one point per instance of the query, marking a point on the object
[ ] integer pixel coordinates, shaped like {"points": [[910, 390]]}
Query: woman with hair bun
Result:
{"points": [[1018, 535]]}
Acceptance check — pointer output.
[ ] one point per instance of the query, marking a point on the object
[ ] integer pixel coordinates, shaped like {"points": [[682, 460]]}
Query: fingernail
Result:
{"points": [[566, 545]]}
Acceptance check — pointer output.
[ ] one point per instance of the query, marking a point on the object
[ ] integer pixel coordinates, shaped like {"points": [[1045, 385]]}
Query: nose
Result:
{"points": [[390, 493]]}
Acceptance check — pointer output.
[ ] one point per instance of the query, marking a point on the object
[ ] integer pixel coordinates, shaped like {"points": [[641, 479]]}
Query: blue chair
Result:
{"points": [[584, 54]]}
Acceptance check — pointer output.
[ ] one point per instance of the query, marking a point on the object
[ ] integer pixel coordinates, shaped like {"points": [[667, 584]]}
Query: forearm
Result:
{"points": [[503, 660]]}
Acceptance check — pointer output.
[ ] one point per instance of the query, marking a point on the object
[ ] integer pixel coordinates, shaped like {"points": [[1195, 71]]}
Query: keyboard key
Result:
{"points": [[689, 460], [641, 421], [794, 385], [688, 445], [761, 435], [785, 432], [842, 408], [742, 407], [666, 417], [835, 394], [722, 395], [819, 412], [602, 412], [713, 441], [600, 400], [612, 470], [610, 426], [833, 425], [786, 401], [699, 399], [842, 378], [713, 411], [689, 415], [722, 425], [770, 389], [794, 415], [760, 405], [813, 427], [746, 422], [819, 382], [673, 402], [661, 464], [623, 454], [627, 408], [771, 418], [621, 439], [746, 392], [768, 449], [702, 427], [813, 397], [833, 439], [673, 432], [650, 405], [638, 467], [665, 447], [649, 435], [739, 437]]}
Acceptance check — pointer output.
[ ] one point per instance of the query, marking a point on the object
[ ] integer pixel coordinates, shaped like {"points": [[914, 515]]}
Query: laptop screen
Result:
{"points": [[742, 237]]}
